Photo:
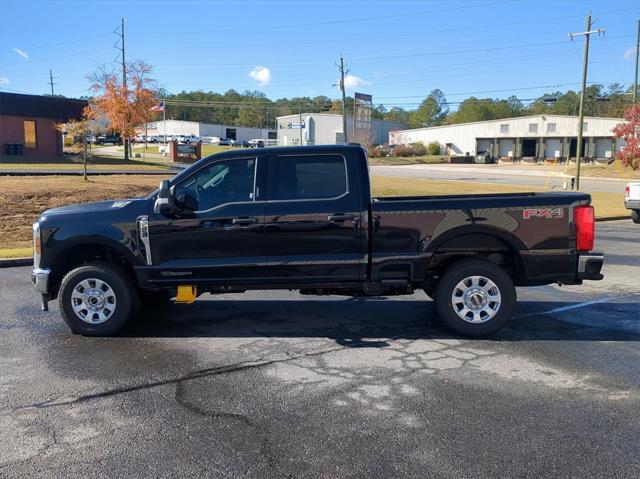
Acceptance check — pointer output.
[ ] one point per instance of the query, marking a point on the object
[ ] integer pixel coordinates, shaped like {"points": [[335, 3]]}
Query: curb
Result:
{"points": [[613, 218], [15, 262]]}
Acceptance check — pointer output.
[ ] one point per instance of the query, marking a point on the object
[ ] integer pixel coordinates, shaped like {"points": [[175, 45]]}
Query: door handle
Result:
{"points": [[244, 221], [340, 217]]}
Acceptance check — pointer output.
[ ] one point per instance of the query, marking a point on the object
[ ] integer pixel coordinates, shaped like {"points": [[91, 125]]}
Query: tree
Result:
{"points": [[629, 131], [126, 106], [431, 111], [78, 130]]}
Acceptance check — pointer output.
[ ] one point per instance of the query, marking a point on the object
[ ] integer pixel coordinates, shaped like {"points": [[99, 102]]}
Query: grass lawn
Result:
{"points": [[68, 162], [36, 194], [409, 160]]}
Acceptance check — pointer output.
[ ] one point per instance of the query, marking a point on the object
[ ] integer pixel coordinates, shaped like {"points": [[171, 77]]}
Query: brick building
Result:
{"points": [[29, 120]]}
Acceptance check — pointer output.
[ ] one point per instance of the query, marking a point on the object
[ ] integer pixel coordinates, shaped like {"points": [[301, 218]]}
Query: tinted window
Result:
{"points": [[307, 177], [222, 182]]}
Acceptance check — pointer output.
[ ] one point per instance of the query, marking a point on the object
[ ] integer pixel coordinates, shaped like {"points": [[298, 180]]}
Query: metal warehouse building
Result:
{"points": [[528, 138], [326, 129], [178, 127]]}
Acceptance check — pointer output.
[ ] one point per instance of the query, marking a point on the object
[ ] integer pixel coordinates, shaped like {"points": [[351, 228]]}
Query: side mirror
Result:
{"points": [[187, 202], [164, 201]]}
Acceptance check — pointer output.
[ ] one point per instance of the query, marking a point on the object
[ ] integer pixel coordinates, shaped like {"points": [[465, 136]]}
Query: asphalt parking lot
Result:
{"points": [[274, 384]]}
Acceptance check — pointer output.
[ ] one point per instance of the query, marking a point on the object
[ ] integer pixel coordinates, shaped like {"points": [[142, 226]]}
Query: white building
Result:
{"points": [[326, 129], [531, 138], [178, 127]]}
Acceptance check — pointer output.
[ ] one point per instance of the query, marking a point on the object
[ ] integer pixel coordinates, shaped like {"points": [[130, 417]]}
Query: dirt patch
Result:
{"points": [[22, 199]]}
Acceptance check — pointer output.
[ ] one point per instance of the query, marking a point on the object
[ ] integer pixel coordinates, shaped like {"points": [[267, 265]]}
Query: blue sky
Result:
{"points": [[396, 50]]}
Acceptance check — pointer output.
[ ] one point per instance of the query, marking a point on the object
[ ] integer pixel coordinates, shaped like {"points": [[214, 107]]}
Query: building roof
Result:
{"points": [[63, 109], [515, 118]]}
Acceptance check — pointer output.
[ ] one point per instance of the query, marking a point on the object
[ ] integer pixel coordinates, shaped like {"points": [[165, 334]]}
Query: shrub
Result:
{"points": [[403, 150], [376, 151], [419, 149], [433, 148]]}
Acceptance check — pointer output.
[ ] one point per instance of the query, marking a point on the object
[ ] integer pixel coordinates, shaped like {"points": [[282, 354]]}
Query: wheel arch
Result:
{"points": [[477, 241], [79, 252]]}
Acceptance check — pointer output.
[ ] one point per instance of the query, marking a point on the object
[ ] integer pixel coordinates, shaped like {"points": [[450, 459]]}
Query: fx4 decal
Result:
{"points": [[542, 213]]}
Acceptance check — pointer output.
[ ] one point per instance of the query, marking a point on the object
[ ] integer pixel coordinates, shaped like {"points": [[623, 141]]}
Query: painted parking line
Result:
{"points": [[567, 308]]}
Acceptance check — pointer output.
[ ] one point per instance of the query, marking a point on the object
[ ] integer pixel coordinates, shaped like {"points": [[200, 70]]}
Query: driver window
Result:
{"points": [[229, 181]]}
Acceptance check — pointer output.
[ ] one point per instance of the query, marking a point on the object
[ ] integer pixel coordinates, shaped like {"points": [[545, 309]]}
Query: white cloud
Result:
{"points": [[261, 74], [630, 53], [352, 81], [4, 81], [22, 53]]}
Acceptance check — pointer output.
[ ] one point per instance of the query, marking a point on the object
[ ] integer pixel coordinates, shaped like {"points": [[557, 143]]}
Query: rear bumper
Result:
{"points": [[589, 266], [632, 204]]}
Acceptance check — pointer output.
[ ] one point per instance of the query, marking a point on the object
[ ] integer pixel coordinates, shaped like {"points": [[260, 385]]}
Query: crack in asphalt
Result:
{"points": [[198, 374], [264, 442]]}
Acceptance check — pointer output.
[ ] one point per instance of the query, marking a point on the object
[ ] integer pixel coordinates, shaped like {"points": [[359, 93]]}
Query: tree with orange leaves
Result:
{"points": [[629, 131], [77, 130], [125, 105]]}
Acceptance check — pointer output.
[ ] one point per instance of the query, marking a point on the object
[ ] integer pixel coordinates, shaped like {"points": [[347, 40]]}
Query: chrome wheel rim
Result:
{"points": [[476, 299], [93, 301]]}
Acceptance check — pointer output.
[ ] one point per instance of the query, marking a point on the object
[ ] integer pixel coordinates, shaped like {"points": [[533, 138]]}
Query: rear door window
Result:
{"points": [[307, 177]]}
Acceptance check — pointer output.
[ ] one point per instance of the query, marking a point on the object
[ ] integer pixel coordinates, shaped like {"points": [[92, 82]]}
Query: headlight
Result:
{"points": [[36, 244]]}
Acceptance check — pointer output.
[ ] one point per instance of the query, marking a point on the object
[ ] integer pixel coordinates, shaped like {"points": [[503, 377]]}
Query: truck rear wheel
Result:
{"points": [[475, 297], [635, 216], [96, 299]]}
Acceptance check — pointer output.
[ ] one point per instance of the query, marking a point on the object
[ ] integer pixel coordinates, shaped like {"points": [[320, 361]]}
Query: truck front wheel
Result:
{"points": [[475, 297], [96, 299]]}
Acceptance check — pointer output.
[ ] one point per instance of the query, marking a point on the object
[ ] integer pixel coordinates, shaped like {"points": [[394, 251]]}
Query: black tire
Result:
{"points": [[121, 288], [635, 216], [449, 283]]}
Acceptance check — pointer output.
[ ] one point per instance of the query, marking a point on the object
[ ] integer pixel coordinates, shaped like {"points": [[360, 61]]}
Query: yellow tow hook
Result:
{"points": [[186, 294]]}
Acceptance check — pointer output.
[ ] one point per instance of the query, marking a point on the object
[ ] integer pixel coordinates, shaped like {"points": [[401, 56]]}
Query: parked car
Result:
{"points": [[187, 139], [153, 139], [214, 140], [256, 143], [241, 144], [115, 139], [225, 142], [632, 200], [303, 218]]}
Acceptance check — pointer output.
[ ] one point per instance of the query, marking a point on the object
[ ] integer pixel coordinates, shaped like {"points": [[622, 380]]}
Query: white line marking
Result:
{"points": [[565, 308]]}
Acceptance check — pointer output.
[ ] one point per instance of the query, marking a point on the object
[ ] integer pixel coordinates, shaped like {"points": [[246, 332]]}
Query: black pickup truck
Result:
{"points": [[303, 218]]}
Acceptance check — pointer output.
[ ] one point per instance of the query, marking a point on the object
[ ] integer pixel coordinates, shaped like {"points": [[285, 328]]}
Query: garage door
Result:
{"points": [[483, 145], [507, 148], [552, 148], [603, 148]]}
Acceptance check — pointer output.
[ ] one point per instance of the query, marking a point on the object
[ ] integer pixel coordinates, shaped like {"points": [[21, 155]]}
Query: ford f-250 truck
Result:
{"points": [[303, 218]]}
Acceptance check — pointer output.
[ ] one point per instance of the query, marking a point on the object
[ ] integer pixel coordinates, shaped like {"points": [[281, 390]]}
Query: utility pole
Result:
{"points": [[587, 34], [344, 100], [635, 81], [124, 82], [51, 80]]}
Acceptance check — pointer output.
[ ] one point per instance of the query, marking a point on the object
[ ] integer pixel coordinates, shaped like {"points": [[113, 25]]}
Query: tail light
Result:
{"points": [[584, 221], [627, 191]]}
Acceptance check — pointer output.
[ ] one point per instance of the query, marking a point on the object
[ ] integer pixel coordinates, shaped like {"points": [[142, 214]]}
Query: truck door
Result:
{"points": [[221, 242], [313, 218]]}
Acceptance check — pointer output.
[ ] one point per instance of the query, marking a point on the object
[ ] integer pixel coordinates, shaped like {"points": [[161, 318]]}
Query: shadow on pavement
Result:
{"points": [[370, 322]]}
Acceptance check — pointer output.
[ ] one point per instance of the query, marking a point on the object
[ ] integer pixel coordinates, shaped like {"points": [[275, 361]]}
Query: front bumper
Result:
{"points": [[589, 266], [40, 280]]}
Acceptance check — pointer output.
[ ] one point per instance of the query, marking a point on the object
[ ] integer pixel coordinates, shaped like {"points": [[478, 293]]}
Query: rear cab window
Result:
{"points": [[307, 177]]}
